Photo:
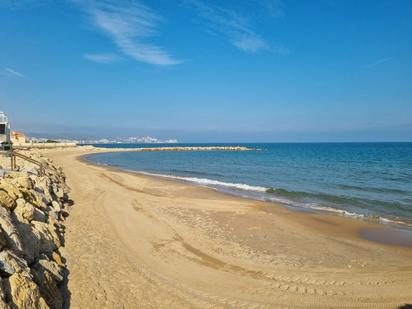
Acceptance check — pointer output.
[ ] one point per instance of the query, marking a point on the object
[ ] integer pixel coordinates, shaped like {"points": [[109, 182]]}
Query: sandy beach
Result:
{"points": [[134, 241]]}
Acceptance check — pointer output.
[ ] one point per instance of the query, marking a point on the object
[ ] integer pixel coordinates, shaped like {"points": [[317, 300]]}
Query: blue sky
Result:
{"points": [[198, 70]]}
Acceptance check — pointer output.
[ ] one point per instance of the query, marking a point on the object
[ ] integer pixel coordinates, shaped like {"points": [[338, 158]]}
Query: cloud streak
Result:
{"points": [[11, 72], [130, 25], [273, 7], [102, 58], [376, 63], [231, 24]]}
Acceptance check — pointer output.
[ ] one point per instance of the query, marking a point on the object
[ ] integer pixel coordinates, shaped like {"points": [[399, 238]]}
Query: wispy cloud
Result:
{"points": [[249, 42], [11, 72], [272, 7], [102, 58], [14, 4], [231, 24], [129, 24], [377, 62]]}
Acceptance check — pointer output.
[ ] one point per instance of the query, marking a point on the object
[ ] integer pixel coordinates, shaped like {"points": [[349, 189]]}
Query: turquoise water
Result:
{"points": [[371, 180]]}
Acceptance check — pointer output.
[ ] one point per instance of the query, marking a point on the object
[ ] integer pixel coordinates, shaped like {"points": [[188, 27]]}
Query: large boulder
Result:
{"points": [[24, 292], [49, 239], [24, 211], [52, 267], [7, 186], [39, 215], [11, 263], [35, 198], [32, 171], [48, 275], [43, 186], [48, 287], [3, 238], [58, 259], [58, 192], [56, 205], [3, 295], [30, 241], [21, 180], [38, 238], [6, 200], [9, 226]]}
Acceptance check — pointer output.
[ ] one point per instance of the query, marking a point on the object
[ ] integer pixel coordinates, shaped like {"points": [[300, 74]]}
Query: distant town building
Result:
{"points": [[4, 132], [18, 137]]}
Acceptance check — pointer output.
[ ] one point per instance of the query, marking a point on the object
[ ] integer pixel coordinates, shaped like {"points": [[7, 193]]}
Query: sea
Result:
{"points": [[364, 180]]}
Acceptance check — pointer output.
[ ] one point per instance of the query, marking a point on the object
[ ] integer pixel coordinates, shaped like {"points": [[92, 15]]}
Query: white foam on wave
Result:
{"points": [[346, 213], [284, 201], [244, 187], [338, 211], [393, 221], [211, 182]]}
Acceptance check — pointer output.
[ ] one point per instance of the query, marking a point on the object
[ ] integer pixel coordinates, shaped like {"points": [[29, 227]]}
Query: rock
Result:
{"points": [[9, 225], [33, 171], [24, 211], [10, 188], [3, 238], [58, 259], [31, 242], [59, 192], [6, 200], [39, 215], [49, 240], [53, 268], [47, 286], [35, 198], [56, 205], [38, 238], [45, 199], [3, 293], [22, 180], [54, 216], [10, 263], [24, 292], [44, 188]]}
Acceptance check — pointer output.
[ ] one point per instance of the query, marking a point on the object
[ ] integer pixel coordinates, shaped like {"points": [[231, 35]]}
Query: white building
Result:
{"points": [[4, 132]]}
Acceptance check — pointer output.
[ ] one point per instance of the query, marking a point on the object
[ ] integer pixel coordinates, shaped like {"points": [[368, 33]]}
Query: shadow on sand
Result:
{"points": [[65, 290], [64, 286]]}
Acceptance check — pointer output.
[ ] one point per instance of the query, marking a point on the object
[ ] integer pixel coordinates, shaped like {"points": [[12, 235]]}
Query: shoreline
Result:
{"points": [[170, 244], [376, 233]]}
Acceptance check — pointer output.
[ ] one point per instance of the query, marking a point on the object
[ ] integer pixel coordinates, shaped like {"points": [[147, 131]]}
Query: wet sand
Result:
{"points": [[396, 236], [136, 241]]}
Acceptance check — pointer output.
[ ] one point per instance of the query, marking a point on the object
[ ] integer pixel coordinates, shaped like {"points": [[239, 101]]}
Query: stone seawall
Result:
{"points": [[33, 208]]}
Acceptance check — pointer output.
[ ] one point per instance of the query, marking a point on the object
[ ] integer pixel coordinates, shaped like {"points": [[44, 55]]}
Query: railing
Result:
{"points": [[14, 154]]}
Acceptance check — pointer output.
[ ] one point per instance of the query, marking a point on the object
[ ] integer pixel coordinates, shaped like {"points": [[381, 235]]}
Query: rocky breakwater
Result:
{"points": [[33, 206]]}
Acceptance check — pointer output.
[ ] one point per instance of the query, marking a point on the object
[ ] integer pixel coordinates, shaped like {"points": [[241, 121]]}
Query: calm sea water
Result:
{"points": [[373, 180]]}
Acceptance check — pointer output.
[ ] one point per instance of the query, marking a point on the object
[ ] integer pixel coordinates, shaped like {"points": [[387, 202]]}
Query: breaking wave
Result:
{"points": [[279, 195]]}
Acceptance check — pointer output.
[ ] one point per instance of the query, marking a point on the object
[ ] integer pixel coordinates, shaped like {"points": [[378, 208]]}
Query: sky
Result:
{"points": [[208, 70]]}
